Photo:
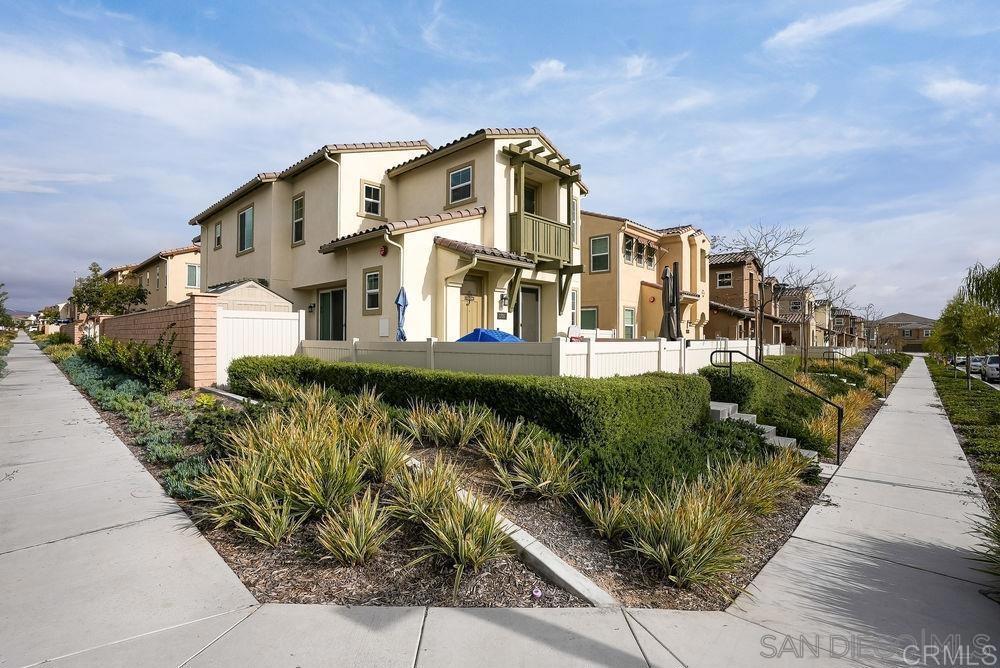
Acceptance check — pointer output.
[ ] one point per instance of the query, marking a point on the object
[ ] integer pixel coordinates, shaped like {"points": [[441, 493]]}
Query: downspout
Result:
{"points": [[465, 268], [340, 191], [386, 239]]}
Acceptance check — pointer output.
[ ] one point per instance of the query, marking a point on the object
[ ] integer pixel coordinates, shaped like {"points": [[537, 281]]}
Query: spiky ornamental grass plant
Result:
{"points": [[419, 493], [542, 468], [467, 533], [609, 512], [355, 534], [384, 456]]}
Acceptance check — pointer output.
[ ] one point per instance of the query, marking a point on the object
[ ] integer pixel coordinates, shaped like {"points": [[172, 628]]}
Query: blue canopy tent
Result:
{"points": [[401, 304], [480, 335]]}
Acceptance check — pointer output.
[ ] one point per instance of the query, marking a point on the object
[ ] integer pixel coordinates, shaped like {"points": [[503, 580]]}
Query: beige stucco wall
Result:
{"points": [[172, 288]]}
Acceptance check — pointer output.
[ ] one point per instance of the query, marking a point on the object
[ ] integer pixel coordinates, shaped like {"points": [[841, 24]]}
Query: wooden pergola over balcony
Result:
{"points": [[548, 241]]}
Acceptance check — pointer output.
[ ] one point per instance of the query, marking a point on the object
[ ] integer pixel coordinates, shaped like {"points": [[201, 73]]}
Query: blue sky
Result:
{"points": [[873, 123]]}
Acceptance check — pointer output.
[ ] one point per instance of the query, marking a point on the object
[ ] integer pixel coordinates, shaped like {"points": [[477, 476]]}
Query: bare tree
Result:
{"points": [[811, 279], [872, 315], [836, 296], [773, 245]]}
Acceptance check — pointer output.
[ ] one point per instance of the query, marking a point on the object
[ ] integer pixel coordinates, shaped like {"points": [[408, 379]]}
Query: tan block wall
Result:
{"points": [[194, 323]]}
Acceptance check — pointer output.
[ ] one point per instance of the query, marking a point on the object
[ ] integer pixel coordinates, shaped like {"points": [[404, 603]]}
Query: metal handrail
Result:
{"points": [[729, 365]]}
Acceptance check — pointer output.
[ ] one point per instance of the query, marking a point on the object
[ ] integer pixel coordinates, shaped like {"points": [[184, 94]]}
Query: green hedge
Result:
{"points": [[752, 388], [157, 365], [624, 429]]}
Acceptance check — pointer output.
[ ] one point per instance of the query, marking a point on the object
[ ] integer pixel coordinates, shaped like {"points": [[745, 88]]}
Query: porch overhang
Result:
{"points": [[485, 254]]}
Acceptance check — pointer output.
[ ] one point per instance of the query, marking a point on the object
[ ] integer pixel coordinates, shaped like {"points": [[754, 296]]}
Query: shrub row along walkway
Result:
{"points": [[101, 569]]}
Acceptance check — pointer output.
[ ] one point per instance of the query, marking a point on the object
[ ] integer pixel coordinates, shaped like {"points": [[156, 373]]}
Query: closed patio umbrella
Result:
{"points": [[401, 304], [668, 324]]}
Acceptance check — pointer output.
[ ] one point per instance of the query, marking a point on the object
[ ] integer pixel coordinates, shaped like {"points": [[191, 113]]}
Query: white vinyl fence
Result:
{"points": [[242, 333], [559, 357], [824, 351]]}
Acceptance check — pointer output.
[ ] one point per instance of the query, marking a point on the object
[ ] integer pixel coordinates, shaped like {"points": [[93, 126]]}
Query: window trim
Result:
{"points": [[634, 325], [365, 273], [187, 283], [574, 303], [596, 311], [157, 277], [574, 221], [296, 197], [628, 253], [217, 232], [795, 306], [907, 333], [651, 249], [362, 199], [718, 280], [471, 166], [590, 256], [239, 213]]}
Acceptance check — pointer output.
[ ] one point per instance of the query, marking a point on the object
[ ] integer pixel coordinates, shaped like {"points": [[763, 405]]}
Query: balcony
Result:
{"points": [[540, 237]]}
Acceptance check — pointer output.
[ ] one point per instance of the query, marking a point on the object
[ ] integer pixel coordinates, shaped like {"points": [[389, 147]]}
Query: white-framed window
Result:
{"points": [[460, 184], [839, 321], [218, 235], [372, 197], [147, 279], [650, 255], [157, 278], [572, 307], [724, 279], [628, 323], [373, 290], [795, 306], [588, 317], [244, 227], [927, 333], [298, 219], [628, 248], [906, 333], [600, 253], [193, 276]]}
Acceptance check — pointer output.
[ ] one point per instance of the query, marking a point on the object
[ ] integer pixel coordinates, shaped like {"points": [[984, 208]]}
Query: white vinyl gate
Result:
{"points": [[242, 333]]}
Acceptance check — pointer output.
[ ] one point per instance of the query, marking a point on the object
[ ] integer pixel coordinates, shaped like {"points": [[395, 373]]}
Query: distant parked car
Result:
{"points": [[975, 365], [959, 361], [991, 369]]}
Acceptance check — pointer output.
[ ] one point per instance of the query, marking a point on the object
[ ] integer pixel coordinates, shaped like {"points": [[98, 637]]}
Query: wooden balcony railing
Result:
{"points": [[534, 235]]}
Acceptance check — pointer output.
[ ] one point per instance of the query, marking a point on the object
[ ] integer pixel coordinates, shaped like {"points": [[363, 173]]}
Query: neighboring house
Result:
{"points": [[621, 286], [798, 309], [169, 276], [118, 274], [481, 232], [905, 331], [734, 295]]}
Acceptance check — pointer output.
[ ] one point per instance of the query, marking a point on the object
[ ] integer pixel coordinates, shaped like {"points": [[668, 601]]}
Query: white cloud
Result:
{"points": [[19, 180], [636, 65], [546, 70], [806, 31], [950, 91]]}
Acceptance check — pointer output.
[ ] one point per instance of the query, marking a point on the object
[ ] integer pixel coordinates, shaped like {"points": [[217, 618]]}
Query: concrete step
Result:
{"points": [[745, 417], [782, 441], [768, 430], [721, 410], [811, 455], [827, 471]]}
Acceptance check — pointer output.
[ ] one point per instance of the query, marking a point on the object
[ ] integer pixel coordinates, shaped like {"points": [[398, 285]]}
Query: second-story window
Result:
{"points": [[193, 276], [724, 279], [147, 279], [906, 333], [460, 184], [298, 219], [795, 306], [600, 255], [244, 230], [628, 248], [640, 253], [927, 333], [218, 234], [651, 255], [372, 199], [157, 278], [573, 206]]}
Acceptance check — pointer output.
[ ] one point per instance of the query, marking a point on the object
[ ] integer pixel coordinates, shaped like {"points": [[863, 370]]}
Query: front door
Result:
{"points": [[333, 315], [528, 318], [471, 309]]}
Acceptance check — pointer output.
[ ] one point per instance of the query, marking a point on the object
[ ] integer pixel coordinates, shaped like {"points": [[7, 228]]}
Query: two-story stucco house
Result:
{"points": [[798, 310], [621, 286], [169, 276], [734, 286], [480, 232]]}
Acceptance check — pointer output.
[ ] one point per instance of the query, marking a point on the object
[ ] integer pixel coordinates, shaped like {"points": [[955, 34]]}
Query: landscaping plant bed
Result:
{"points": [[850, 438]]}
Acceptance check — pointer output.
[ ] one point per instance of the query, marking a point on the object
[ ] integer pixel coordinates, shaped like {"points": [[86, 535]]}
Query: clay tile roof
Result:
{"points": [[732, 310], [680, 229], [400, 225], [738, 257], [472, 250], [263, 177], [481, 133], [122, 267], [162, 255], [676, 230], [318, 154]]}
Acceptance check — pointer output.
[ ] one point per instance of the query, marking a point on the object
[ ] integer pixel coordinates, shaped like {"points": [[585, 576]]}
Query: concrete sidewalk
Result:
{"points": [[102, 569]]}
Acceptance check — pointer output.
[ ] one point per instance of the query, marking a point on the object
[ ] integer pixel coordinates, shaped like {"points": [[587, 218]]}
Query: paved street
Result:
{"points": [[102, 569]]}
